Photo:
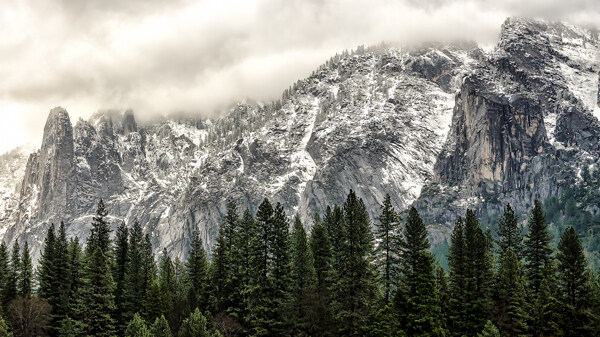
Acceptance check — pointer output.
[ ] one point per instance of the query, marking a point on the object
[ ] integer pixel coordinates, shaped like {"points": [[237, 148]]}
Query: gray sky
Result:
{"points": [[162, 56]]}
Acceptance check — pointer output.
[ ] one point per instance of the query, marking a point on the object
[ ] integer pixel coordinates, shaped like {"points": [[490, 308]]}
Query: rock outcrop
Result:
{"points": [[441, 127]]}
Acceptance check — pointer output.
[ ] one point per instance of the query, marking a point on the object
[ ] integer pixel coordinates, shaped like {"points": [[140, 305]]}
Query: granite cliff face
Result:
{"points": [[442, 126], [524, 123]]}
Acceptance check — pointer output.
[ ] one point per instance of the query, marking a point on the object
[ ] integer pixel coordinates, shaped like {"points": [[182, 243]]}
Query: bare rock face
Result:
{"points": [[47, 180], [441, 127], [523, 123]]}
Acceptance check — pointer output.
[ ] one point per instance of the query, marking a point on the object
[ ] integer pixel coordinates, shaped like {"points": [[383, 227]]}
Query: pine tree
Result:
{"points": [[134, 287], [243, 257], [547, 316], [387, 233], [510, 308], [321, 252], [353, 288], [303, 276], [4, 272], [197, 274], [489, 330], [167, 283], [12, 282], [423, 313], [96, 294], [47, 273], [74, 262], [537, 251], [62, 281], [153, 302], [4, 329], [120, 271], [574, 285], [195, 325], [441, 282], [25, 272], [69, 328], [53, 276], [478, 274], [219, 270], [137, 327], [412, 243], [456, 280], [280, 276], [261, 316], [160, 328], [509, 233]]}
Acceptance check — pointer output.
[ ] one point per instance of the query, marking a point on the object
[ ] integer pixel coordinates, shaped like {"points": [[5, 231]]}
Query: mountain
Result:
{"points": [[443, 127]]}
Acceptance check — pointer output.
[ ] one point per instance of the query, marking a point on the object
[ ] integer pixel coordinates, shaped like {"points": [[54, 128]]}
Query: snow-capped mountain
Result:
{"points": [[436, 125]]}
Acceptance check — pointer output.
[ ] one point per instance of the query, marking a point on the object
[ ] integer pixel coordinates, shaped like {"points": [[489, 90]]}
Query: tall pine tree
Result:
{"points": [[387, 233], [25, 272], [96, 295], [354, 281], [509, 233], [574, 285], [537, 251], [196, 273], [303, 277]]}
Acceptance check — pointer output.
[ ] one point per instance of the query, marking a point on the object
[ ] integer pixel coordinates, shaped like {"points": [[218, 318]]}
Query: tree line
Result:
{"points": [[269, 277]]}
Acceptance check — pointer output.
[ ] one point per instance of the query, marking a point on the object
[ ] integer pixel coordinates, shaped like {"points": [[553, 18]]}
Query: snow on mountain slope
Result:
{"points": [[438, 124], [373, 120]]}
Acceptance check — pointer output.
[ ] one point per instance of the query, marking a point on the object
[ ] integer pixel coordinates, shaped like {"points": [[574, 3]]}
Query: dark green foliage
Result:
{"points": [[120, 268], [196, 273], [537, 251], [303, 278], [353, 287], [387, 232], [412, 243], [167, 284], [137, 327], [223, 266], [280, 276], [489, 330], [260, 302], [441, 282], [456, 281], [4, 330], [574, 285], [160, 328], [243, 256], [134, 278], [386, 323], [25, 272], [509, 233], [547, 317], [47, 271], [195, 325], [96, 294], [510, 307], [321, 252], [478, 274], [54, 276], [69, 328], [10, 290], [4, 273], [423, 313]]}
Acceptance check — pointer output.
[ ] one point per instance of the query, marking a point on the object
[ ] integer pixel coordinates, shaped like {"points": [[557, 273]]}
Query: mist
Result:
{"points": [[163, 56]]}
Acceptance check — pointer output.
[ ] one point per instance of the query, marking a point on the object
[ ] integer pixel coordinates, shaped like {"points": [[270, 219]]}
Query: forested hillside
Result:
{"points": [[268, 277]]}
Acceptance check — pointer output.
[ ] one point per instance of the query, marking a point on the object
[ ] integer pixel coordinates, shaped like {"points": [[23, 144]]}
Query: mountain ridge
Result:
{"points": [[378, 121]]}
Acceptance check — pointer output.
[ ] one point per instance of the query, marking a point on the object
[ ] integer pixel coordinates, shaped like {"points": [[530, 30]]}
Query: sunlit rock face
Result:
{"points": [[443, 127]]}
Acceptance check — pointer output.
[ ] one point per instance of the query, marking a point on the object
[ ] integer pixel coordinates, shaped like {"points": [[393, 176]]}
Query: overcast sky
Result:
{"points": [[162, 56]]}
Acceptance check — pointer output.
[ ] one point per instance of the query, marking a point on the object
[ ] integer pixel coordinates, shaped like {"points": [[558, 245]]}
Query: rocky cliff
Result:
{"points": [[445, 126]]}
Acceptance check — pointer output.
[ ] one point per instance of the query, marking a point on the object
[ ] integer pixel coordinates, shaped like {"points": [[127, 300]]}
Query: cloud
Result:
{"points": [[162, 56]]}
